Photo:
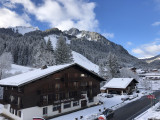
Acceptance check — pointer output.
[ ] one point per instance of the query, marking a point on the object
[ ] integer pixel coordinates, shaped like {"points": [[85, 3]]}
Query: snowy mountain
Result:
{"points": [[93, 46], [22, 29], [154, 62], [152, 59]]}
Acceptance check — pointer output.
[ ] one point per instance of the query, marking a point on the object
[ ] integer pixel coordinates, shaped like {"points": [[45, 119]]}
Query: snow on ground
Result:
{"points": [[155, 84], [18, 68], [86, 113], [150, 113], [22, 29], [78, 58], [93, 112], [53, 39], [83, 61]]}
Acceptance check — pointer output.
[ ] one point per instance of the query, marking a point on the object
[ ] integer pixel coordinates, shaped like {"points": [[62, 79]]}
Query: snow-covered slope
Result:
{"points": [[83, 61], [19, 68], [78, 58], [53, 39], [22, 29]]}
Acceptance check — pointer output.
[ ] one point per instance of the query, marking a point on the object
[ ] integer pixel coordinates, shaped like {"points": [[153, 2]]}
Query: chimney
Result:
{"points": [[44, 67]]}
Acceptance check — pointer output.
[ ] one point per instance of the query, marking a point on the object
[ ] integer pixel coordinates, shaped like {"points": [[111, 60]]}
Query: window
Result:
{"points": [[20, 89], [75, 103], [90, 92], [67, 105], [90, 83], [75, 84], [83, 92], [83, 83], [56, 107], [44, 110], [75, 94], [91, 100], [57, 86], [67, 95], [12, 98], [57, 96], [45, 98], [82, 75]]}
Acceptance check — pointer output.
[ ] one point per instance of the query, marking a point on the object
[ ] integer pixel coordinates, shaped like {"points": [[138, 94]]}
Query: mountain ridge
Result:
{"points": [[92, 45]]}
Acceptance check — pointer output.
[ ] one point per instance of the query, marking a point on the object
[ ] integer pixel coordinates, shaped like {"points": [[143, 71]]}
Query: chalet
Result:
{"points": [[119, 86], [50, 91], [151, 76], [133, 69]]}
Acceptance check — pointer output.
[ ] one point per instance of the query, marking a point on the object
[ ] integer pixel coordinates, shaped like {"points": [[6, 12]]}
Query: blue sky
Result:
{"points": [[134, 24]]}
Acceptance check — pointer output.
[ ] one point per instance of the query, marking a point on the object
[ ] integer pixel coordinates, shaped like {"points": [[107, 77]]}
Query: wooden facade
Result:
{"points": [[62, 86]]}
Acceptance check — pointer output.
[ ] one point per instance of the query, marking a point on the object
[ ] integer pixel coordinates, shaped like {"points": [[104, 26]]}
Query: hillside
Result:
{"points": [[153, 62], [28, 41]]}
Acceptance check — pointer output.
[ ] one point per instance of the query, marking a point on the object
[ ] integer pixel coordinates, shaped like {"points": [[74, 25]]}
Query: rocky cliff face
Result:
{"points": [[96, 47]]}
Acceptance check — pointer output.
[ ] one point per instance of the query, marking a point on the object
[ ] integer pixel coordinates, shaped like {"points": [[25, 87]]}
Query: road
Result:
{"points": [[133, 109]]}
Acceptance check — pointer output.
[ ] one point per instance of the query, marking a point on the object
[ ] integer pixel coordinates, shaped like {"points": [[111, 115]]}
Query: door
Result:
{"points": [[83, 103]]}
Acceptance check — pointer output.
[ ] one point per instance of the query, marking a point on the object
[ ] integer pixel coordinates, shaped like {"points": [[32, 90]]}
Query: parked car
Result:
{"points": [[125, 98], [158, 109], [109, 96], [38, 118], [133, 96], [108, 113]]}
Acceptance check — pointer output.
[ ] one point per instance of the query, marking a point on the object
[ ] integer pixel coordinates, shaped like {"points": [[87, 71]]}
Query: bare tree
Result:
{"points": [[5, 63]]}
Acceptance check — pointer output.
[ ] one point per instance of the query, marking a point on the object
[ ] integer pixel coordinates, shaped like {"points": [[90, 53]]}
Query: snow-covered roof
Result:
{"points": [[151, 74], [118, 83], [30, 76]]}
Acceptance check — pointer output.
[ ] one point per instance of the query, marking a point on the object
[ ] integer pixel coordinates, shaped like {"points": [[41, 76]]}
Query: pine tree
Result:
{"points": [[49, 45], [101, 70], [42, 56], [112, 66], [5, 63], [63, 52]]}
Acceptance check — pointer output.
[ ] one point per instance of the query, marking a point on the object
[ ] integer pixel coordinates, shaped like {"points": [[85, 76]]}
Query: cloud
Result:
{"points": [[10, 18], [63, 14], [129, 43], [156, 24], [148, 50], [8, 4], [108, 35]]}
